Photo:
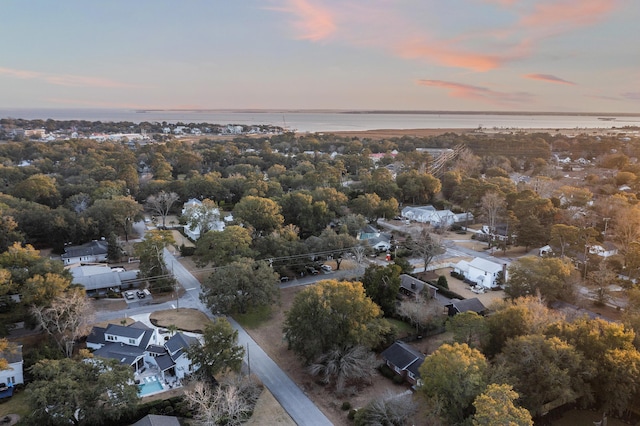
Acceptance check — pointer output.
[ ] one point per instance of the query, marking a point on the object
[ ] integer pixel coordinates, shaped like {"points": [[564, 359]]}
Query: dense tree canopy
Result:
{"points": [[331, 314]]}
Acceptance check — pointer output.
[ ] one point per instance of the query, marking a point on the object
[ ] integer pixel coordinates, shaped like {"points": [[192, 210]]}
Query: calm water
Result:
{"points": [[334, 121]]}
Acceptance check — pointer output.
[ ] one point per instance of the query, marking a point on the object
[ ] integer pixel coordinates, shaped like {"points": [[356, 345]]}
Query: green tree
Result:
{"points": [[367, 205], [550, 277], [608, 347], [223, 247], [388, 410], [262, 214], [114, 252], [496, 407], [455, 375], [219, 351], [241, 285], [469, 328], [152, 264], [418, 188], [381, 284], [299, 208], [328, 315], [542, 370], [39, 188], [81, 392]]}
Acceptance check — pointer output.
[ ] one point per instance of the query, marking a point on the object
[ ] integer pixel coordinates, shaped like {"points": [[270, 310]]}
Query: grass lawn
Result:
{"points": [[17, 404], [184, 319], [255, 318], [404, 329]]}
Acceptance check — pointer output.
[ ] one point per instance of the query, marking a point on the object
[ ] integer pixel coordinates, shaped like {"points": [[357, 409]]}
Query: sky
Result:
{"points": [[444, 55]]}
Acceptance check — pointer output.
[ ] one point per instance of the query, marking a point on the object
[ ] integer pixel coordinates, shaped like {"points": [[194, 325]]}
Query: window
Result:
{"points": [[110, 337], [132, 341]]}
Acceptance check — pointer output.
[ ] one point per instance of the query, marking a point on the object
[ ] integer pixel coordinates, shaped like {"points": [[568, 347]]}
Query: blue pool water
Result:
{"points": [[149, 386]]}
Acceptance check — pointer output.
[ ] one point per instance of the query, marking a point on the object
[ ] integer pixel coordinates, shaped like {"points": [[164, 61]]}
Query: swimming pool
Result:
{"points": [[150, 385]]}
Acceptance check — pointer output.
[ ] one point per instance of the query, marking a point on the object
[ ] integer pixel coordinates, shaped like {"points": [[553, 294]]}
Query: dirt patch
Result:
{"points": [[184, 319], [269, 411]]}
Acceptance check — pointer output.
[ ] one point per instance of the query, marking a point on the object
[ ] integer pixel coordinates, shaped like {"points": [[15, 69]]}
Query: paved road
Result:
{"points": [[301, 409]]}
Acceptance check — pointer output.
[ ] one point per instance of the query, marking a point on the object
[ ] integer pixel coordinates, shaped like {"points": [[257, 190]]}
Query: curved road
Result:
{"points": [[301, 409]]}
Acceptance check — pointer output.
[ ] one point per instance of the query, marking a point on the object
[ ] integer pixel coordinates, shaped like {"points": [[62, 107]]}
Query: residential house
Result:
{"points": [[404, 360], [482, 272], [413, 287], [433, 217], [606, 249], [92, 252], [374, 238], [143, 347], [193, 231], [100, 279], [466, 305], [14, 374]]}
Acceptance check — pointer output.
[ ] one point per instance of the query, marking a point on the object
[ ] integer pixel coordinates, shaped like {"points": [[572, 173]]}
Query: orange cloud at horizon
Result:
{"points": [[467, 91], [450, 57], [549, 78], [64, 79]]}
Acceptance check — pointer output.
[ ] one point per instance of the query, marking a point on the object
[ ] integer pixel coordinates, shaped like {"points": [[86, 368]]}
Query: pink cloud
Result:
{"points": [[567, 13], [449, 56], [549, 79], [466, 91], [312, 22], [64, 79]]}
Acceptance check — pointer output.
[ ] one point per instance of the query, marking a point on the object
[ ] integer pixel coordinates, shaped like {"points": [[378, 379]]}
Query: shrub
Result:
{"points": [[187, 251], [386, 371], [442, 282], [352, 414], [346, 405], [398, 380]]}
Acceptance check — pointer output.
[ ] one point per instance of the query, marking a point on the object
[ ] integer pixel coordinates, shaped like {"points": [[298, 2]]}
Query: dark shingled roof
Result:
{"points": [[179, 341], [164, 362], [126, 354], [88, 249], [403, 356], [119, 330], [467, 305], [97, 336]]}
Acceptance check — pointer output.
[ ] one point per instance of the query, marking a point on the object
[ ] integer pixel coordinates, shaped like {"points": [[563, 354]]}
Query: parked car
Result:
{"points": [[129, 295], [284, 279], [313, 271], [326, 268], [140, 294]]}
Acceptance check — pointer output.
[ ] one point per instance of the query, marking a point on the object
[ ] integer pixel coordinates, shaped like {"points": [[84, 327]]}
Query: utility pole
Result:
{"points": [[606, 222]]}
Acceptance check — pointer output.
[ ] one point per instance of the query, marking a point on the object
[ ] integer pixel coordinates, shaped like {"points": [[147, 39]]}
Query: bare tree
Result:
{"points": [[230, 403], [426, 246], [599, 282], [420, 311], [493, 205], [344, 365], [67, 319], [162, 203]]}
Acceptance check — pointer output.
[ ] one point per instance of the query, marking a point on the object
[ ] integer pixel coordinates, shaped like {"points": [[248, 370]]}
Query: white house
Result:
{"points": [[192, 208], [374, 238], [143, 347], [481, 271], [428, 214], [92, 252], [14, 374], [606, 249]]}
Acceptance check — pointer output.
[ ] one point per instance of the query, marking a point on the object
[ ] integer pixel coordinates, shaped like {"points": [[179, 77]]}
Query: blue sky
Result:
{"points": [[464, 55]]}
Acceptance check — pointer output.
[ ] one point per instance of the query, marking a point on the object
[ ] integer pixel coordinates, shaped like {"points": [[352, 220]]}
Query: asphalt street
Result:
{"points": [[301, 409]]}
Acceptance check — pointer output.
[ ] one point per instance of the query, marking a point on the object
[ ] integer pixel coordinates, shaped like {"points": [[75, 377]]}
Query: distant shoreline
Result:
{"points": [[397, 133], [391, 112]]}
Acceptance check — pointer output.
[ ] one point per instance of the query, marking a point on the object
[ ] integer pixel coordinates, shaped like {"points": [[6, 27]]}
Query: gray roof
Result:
{"points": [[414, 285], [179, 341], [95, 277], [88, 249], [467, 305], [164, 362], [126, 354], [96, 336], [403, 356], [156, 420], [119, 330]]}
